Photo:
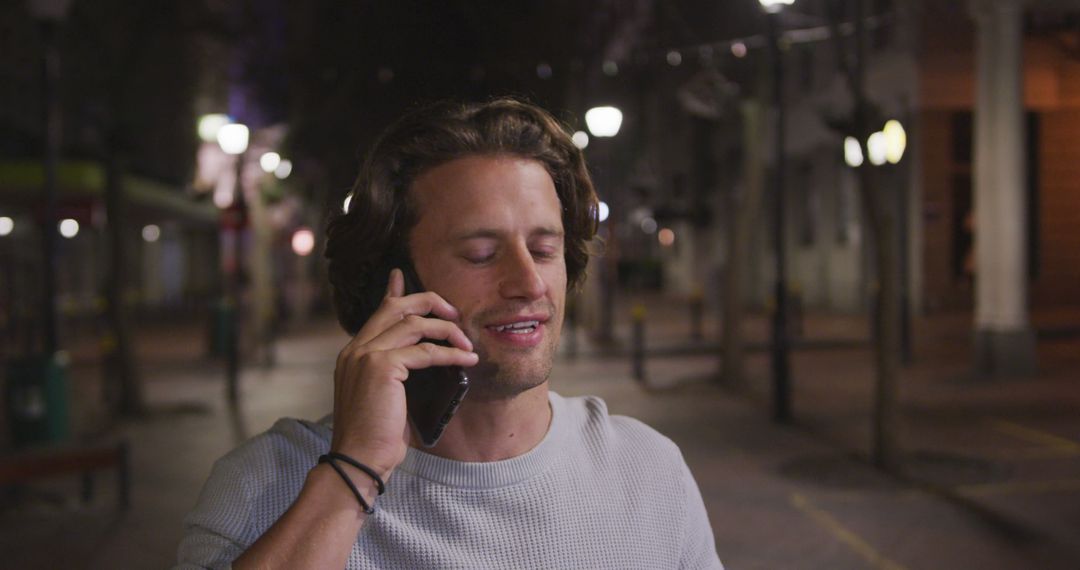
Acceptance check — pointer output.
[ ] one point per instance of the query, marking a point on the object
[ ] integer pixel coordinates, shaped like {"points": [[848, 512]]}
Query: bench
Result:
{"points": [[32, 464]]}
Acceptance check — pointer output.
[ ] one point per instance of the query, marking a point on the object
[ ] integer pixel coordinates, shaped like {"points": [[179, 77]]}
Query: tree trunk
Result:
{"points": [[886, 302], [740, 233], [882, 225]]}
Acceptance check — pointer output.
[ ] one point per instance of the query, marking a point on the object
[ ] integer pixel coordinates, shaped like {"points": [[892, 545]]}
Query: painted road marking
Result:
{"points": [[1021, 487], [1048, 440], [852, 540]]}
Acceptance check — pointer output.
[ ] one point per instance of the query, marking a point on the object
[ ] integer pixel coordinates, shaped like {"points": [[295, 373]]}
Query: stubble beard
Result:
{"points": [[512, 372]]}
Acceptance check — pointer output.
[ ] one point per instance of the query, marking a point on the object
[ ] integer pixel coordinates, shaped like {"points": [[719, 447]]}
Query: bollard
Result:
{"points": [[696, 314], [637, 350], [232, 353]]}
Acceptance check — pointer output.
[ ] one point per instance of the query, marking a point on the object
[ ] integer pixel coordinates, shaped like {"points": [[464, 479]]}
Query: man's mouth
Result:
{"points": [[521, 327]]}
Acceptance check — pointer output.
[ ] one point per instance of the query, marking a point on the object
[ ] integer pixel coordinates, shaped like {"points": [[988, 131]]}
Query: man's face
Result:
{"points": [[489, 239]]}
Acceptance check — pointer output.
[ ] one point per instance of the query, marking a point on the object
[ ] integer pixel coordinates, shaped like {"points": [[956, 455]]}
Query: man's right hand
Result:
{"points": [[370, 419]]}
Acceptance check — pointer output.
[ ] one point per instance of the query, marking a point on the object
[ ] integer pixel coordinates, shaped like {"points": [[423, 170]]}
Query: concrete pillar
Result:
{"points": [[1004, 339]]}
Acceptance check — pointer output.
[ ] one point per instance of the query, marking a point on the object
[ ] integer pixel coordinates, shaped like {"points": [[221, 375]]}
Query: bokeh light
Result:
{"points": [[269, 161], [151, 233], [666, 237], [69, 228], [581, 139], [303, 242]]}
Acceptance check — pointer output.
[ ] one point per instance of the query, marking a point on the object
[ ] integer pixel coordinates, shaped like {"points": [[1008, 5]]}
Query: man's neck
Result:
{"points": [[494, 430]]}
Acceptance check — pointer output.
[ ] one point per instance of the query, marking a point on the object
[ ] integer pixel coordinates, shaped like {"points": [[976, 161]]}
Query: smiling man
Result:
{"points": [[490, 207]]}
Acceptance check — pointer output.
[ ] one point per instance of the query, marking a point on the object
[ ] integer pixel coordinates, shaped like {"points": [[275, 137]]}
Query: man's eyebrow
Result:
{"points": [[495, 234]]}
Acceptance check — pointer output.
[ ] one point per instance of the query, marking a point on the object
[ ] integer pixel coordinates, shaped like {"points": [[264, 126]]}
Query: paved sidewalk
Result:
{"points": [[1003, 458]]}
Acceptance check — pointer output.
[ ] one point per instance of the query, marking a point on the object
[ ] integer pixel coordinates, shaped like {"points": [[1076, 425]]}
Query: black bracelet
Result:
{"points": [[370, 472], [368, 509]]}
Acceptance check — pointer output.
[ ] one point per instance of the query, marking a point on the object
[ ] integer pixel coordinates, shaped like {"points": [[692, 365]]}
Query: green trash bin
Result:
{"points": [[37, 399]]}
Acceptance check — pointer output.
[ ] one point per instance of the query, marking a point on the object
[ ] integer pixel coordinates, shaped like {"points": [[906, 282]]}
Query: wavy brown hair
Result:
{"points": [[364, 244]]}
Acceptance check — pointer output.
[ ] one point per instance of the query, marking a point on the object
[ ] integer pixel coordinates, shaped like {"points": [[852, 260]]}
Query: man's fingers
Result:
{"points": [[413, 328], [396, 309], [426, 355], [395, 284]]}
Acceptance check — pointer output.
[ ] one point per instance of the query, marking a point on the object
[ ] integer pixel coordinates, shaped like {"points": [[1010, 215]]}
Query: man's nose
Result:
{"points": [[520, 277]]}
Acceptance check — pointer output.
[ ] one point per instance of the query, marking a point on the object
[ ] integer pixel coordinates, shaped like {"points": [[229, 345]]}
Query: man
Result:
{"points": [[492, 207]]}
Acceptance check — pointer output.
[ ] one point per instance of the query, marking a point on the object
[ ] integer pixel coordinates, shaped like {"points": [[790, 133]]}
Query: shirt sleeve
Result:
{"points": [[699, 544], [215, 532]]}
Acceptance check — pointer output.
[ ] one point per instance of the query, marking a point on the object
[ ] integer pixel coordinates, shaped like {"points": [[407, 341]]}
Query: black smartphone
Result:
{"points": [[432, 394]]}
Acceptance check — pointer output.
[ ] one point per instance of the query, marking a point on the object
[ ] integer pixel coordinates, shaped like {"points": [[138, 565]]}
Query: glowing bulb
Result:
{"points": [[7, 225], [345, 206], [303, 242], [209, 125], [648, 225], [151, 233], [774, 6], [69, 228], [852, 152], [581, 140], [666, 237], [269, 161], [284, 169], [602, 211], [233, 138], [603, 121], [877, 149], [895, 141]]}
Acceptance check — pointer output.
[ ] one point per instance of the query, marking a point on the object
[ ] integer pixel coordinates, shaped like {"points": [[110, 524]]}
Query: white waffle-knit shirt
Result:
{"points": [[599, 491]]}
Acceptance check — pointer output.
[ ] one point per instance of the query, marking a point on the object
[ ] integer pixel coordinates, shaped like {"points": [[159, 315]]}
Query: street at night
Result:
{"points": [[826, 248]]}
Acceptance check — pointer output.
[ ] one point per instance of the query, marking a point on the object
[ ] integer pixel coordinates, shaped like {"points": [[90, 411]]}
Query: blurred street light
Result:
{"points": [[151, 233], [7, 225], [69, 228], [852, 152], [269, 161], [666, 237], [209, 125], [284, 169], [774, 6], [875, 147], [648, 225], [781, 366], [303, 242], [581, 139], [738, 49], [887, 145], [674, 58], [895, 141], [233, 138], [603, 121]]}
